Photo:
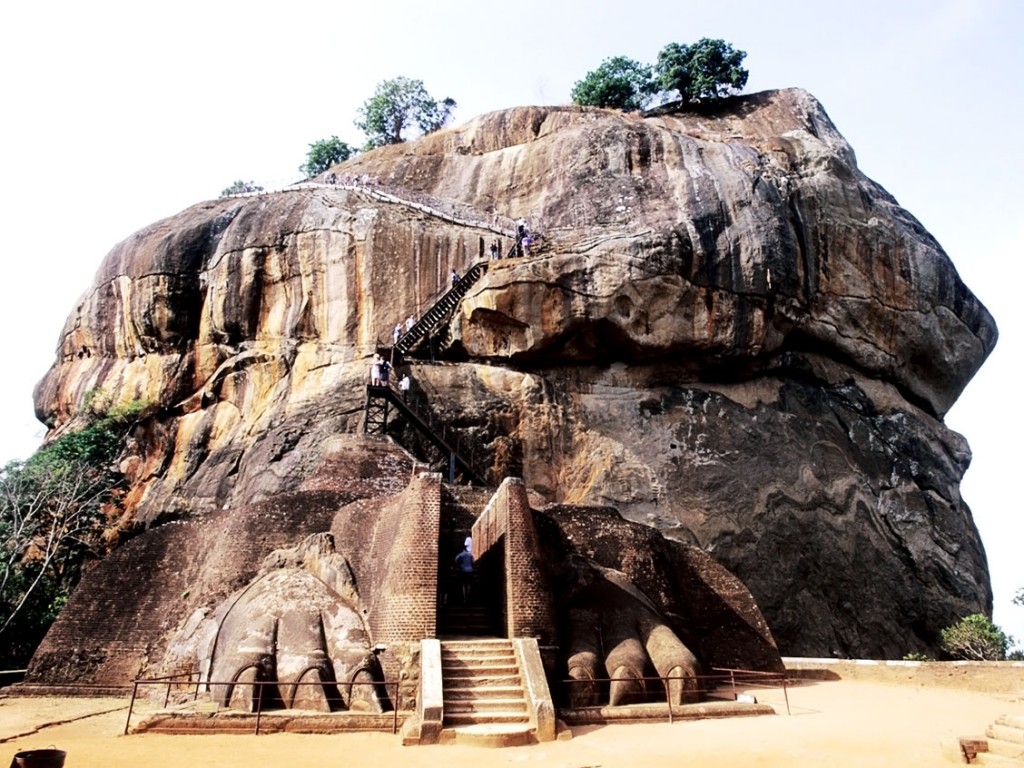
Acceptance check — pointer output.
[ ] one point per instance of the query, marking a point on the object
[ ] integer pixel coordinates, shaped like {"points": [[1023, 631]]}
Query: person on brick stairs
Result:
{"points": [[464, 564]]}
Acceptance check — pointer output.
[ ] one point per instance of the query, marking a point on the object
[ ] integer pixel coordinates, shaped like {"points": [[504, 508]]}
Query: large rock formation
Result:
{"points": [[728, 332]]}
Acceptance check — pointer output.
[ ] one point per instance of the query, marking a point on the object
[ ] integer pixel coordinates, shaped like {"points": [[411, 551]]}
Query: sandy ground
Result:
{"points": [[834, 724]]}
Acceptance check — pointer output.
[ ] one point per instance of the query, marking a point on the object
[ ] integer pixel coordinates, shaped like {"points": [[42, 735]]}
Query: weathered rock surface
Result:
{"points": [[336, 583], [727, 332]]}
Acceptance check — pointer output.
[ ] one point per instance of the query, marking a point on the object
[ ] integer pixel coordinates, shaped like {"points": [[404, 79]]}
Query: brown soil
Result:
{"points": [[833, 723]]}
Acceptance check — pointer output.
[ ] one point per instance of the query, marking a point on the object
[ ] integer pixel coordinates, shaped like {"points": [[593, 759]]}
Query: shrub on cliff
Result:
{"points": [[54, 511], [398, 104], [323, 154], [975, 638], [240, 187], [619, 83]]}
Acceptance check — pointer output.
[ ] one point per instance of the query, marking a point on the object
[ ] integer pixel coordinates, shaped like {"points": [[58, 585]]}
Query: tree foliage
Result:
{"points": [[240, 187], [975, 638], [398, 104], [1018, 599], [323, 154], [54, 510], [707, 69], [618, 83]]}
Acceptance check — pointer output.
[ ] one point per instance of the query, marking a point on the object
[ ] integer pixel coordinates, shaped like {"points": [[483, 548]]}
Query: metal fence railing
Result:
{"points": [[721, 680], [191, 684]]}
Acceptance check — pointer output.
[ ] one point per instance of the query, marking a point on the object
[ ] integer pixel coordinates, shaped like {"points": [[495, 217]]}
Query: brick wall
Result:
{"points": [[401, 566], [508, 520]]}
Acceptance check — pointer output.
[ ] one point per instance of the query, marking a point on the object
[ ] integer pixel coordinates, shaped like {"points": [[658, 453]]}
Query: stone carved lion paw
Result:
{"points": [[298, 622], [615, 632]]}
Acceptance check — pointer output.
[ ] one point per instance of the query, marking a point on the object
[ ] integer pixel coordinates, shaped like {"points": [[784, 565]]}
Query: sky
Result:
{"points": [[116, 114]]}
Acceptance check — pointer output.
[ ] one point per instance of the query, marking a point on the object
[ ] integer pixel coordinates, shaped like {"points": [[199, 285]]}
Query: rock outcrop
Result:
{"points": [[725, 330]]}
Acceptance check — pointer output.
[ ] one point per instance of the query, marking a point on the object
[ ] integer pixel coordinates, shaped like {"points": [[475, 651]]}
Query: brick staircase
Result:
{"points": [[471, 620], [1003, 745], [484, 701]]}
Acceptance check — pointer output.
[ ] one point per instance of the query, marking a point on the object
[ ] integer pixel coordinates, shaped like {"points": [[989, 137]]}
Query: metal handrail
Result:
{"points": [[169, 680], [749, 678]]}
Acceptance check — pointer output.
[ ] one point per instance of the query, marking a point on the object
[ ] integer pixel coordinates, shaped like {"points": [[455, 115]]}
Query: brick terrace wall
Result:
{"points": [[529, 604], [402, 565]]}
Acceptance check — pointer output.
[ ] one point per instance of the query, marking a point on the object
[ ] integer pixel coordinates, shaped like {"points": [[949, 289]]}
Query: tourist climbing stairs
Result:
{"points": [[382, 400], [483, 687], [1003, 745], [440, 311]]}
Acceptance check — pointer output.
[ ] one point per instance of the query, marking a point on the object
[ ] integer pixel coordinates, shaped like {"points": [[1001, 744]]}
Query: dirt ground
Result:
{"points": [[833, 723]]}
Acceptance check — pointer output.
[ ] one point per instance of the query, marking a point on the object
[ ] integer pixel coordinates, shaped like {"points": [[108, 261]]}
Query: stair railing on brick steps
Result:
{"points": [[461, 453]]}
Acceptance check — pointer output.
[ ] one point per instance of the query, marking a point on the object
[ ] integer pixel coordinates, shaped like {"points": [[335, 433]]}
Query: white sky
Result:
{"points": [[116, 114]]}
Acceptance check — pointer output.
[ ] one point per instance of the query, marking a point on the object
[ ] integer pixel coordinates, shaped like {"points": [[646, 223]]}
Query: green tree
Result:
{"points": [[975, 638], [1019, 597], [619, 83], [53, 514], [395, 106], [323, 154], [240, 187], [707, 69]]}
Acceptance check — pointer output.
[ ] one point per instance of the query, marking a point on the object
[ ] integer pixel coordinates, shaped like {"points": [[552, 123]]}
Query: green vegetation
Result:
{"points": [[917, 656], [619, 83], [398, 104], [708, 69], [323, 154], [704, 71], [239, 187], [975, 638], [54, 510]]}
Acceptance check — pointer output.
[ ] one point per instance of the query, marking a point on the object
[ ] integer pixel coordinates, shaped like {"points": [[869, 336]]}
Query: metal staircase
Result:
{"points": [[380, 401], [434, 317]]}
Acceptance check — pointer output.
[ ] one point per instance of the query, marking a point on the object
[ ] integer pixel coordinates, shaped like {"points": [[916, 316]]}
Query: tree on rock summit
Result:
{"points": [[707, 69], [619, 83], [323, 154], [398, 104]]}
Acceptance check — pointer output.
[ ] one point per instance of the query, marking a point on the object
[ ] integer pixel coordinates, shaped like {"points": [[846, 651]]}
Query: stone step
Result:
{"points": [[1010, 749], [987, 758], [480, 718], [482, 673], [1013, 721], [484, 706], [473, 651], [489, 735], [477, 646], [1005, 733], [463, 682], [486, 692], [478, 662]]}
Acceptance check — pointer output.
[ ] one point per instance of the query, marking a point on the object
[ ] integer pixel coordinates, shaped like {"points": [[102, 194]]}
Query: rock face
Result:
{"points": [[725, 330]]}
